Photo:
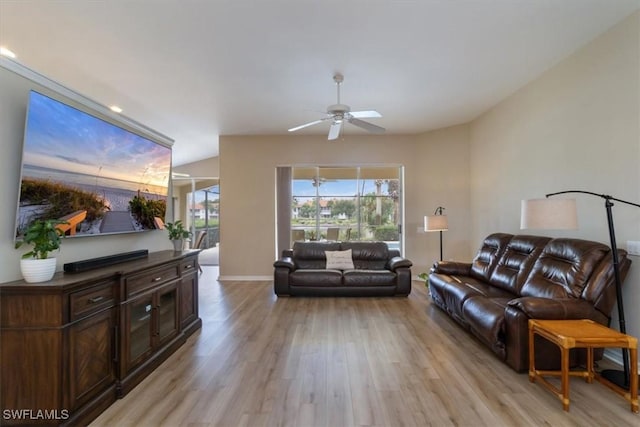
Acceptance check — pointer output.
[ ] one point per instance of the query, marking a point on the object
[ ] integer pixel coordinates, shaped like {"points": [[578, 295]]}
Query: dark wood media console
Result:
{"points": [[71, 346]]}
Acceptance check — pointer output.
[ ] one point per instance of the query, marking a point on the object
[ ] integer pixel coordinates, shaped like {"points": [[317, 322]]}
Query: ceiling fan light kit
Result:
{"points": [[339, 113]]}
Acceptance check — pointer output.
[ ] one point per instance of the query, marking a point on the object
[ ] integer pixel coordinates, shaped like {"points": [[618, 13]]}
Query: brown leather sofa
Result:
{"points": [[516, 278], [379, 271]]}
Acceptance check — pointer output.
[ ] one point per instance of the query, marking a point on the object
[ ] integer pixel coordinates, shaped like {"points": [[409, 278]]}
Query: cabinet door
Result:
{"points": [[188, 300], [91, 357], [138, 330], [167, 306]]}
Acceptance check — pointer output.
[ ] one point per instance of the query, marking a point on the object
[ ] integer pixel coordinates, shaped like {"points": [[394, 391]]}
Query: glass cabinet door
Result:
{"points": [[140, 327], [167, 301]]}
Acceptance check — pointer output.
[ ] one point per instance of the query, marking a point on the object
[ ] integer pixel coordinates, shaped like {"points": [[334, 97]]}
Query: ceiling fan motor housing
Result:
{"points": [[338, 109]]}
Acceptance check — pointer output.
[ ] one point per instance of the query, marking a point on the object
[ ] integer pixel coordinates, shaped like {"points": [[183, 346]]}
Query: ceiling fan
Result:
{"points": [[339, 113]]}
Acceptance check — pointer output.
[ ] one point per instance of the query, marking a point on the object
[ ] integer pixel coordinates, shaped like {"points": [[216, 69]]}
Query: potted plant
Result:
{"points": [[177, 234], [44, 236], [425, 277]]}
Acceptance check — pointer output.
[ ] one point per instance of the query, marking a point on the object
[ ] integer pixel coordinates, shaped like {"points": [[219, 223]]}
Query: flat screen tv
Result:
{"points": [[93, 176]]}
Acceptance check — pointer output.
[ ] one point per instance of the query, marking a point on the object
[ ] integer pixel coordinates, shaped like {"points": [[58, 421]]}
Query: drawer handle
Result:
{"points": [[188, 266], [157, 279], [96, 299]]}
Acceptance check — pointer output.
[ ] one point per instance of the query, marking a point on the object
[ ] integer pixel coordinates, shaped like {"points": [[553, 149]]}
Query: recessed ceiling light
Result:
{"points": [[116, 109], [6, 52]]}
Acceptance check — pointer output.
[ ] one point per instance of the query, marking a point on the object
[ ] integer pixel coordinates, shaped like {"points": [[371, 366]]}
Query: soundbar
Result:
{"points": [[104, 261]]}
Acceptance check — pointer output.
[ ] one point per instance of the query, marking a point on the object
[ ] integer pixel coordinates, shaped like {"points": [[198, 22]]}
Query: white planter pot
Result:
{"points": [[37, 270], [178, 244]]}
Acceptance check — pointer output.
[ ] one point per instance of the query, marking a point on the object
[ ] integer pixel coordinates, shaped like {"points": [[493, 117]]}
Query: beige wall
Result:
{"points": [[208, 167], [576, 127], [247, 187]]}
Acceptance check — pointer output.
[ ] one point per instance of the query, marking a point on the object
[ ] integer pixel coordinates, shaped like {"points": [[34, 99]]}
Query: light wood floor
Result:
{"points": [[260, 360]]}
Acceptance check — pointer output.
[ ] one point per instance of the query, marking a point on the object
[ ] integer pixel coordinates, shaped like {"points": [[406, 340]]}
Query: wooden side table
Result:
{"points": [[583, 333]]}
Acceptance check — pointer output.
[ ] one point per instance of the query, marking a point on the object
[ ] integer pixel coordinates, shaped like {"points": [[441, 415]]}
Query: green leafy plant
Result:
{"points": [[44, 236], [425, 277], [386, 233], [311, 234], [177, 231]]}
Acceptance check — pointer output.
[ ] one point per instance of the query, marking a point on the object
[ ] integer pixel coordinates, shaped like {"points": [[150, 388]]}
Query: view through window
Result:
{"points": [[204, 208], [347, 203]]}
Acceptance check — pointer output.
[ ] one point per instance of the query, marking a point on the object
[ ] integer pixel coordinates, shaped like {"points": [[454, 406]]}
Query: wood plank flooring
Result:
{"points": [[260, 360]]}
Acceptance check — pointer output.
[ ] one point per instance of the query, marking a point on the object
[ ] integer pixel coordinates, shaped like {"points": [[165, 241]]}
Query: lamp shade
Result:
{"points": [[436, 223], [549, 214]]}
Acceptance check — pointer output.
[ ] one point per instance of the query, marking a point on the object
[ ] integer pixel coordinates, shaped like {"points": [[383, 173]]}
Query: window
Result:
{"points": [[346, 203]]}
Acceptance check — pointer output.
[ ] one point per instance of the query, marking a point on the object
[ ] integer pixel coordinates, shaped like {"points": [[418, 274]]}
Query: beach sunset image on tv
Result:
{"points": [[96, 177]]}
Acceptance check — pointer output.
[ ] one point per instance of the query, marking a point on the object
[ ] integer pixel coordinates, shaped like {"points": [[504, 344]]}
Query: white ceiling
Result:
{"points": [[194, 70]]}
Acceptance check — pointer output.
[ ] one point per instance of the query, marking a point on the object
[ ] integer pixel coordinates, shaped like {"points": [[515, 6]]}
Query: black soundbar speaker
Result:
{"points": [[104, 261]]}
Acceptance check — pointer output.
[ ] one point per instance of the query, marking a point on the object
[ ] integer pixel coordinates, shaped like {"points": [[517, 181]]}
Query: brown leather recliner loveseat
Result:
{"points": [[377, 271], [516, 278]]}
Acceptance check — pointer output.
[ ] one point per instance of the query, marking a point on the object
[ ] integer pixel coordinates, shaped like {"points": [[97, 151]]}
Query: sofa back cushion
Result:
{"points": [[515, 263], [368, 255], [488, 255], [312, 254], [563, 268], [601, 289]]}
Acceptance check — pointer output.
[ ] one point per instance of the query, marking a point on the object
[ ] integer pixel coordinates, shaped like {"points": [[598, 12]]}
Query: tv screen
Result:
{"points": [[93, 176]]}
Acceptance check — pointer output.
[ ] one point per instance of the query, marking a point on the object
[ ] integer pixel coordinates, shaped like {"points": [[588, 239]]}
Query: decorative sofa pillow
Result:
{"points": [[339, 260]]}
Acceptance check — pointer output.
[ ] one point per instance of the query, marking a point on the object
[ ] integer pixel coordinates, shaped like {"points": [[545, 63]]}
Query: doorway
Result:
{"points": [[197, 203]]}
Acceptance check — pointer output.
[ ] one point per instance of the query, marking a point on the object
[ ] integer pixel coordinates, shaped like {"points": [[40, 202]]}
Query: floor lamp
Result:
{"points": [[437, 222], [562, 214]]}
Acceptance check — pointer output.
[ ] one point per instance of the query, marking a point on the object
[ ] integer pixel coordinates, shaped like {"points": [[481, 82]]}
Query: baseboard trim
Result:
{"points": [[245, 278], [614, 355]]}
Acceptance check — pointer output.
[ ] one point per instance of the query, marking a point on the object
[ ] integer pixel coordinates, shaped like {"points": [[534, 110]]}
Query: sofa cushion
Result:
{"points": [[315, 277], [485, 317], [488, 255], [563, 268], [452, 291], [369, 278], [368, 255], [312, 254], [339, 260], [516, 262]]}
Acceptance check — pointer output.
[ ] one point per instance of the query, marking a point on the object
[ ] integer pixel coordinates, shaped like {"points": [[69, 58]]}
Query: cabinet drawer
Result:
{"points": [[188, 266], [91, 300], [137, 283]]}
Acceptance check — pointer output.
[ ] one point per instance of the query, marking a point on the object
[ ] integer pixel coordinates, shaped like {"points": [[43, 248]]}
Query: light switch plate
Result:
{"points": [[633, 247]]}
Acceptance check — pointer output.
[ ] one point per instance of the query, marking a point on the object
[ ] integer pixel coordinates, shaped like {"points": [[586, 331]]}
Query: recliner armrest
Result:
{"points": [[560, 309], [398, 262], [285, 262], [454, 268]]}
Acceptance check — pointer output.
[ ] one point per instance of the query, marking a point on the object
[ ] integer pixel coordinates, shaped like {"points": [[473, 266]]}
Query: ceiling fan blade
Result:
{"points": [[367, 114], [334, 132], [305, 125], [367, 126]]}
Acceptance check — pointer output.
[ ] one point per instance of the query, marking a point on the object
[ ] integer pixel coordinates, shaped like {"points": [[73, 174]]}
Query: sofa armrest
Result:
{"points": [[516, 320], [398, 262], [454, 268], [560, 309], [285, 262]]}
